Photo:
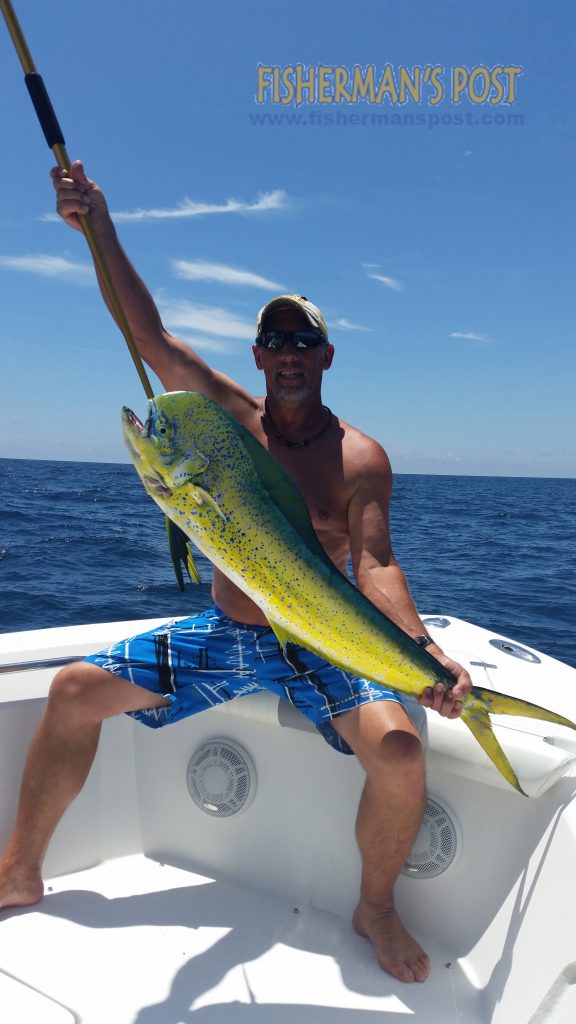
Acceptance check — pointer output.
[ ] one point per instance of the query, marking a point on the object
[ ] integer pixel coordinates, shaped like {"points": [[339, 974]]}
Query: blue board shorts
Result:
{"points": [[207, 659]]}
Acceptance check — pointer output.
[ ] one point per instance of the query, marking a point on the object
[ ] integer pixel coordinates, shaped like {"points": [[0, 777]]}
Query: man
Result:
{"points": [[345, 478]]}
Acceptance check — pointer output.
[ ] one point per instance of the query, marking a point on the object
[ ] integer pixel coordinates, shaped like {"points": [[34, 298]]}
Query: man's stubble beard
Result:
{"points": [[290, 394]]}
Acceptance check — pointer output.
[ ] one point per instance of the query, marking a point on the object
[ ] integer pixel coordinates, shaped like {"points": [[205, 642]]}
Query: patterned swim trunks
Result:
{"points": [[205, 660]]}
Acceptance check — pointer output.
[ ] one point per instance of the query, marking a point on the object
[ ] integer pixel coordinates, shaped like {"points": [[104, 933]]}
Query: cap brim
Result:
{"points": [[298, 302]]}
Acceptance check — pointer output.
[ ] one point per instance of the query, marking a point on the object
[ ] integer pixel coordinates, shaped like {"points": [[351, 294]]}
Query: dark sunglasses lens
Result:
{"points": [[306, 339], [299, 339], [272, 339]]}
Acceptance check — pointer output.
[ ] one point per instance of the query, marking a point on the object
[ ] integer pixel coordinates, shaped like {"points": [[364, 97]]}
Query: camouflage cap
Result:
{"points": [[300, 302]]}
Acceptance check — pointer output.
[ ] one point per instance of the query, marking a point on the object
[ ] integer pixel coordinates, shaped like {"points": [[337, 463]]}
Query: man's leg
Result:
{"points": [[391, 809], [59, 759]]}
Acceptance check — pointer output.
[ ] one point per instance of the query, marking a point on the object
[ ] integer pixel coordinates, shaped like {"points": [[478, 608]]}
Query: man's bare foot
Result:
{"points": [[397, 952], [18, 889]]}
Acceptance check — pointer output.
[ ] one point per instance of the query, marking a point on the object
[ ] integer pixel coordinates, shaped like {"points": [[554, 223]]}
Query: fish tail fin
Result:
{"points": [[500, 704], [478, 721], [476, 714]]}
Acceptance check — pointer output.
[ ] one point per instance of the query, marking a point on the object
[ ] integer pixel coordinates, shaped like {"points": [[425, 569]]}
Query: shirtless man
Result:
{"points": [[346, 481]]}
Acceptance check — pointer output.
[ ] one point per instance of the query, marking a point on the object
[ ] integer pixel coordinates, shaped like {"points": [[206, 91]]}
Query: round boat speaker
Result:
{"points": [[221, 778], [437, 844]]}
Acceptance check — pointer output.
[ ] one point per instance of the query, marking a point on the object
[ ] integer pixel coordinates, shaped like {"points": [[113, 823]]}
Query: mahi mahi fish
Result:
{"points": [[245, 514]]}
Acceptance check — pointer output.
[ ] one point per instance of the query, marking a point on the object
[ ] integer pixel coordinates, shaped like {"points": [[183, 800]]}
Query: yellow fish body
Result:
{"points": [[245, 514]]}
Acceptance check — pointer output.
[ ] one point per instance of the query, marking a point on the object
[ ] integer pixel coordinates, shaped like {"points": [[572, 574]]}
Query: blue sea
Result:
{"points": [[81, 542]]}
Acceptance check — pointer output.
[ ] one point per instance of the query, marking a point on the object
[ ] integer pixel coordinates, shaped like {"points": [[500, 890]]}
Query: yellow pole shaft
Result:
{"points": [[56, 142]]}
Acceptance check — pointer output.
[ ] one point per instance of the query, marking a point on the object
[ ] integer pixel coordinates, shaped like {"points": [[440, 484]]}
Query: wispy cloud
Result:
{"points": [[50, 266], [276, 200], [390, 282], [346, 325], [469, 336], [267, 201], [212, 344], [202, 270], [183, 315]]}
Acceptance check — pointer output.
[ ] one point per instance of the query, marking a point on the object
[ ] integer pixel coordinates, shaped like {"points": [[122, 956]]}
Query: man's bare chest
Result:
{"points": [[324, 489], [320, 474]]}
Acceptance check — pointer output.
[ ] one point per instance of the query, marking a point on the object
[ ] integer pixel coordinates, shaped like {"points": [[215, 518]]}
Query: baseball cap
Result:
{"points": [[300, 302]]}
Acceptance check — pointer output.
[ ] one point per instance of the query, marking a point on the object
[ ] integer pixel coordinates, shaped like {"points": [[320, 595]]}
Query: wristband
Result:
{"points": [[423, 641]]}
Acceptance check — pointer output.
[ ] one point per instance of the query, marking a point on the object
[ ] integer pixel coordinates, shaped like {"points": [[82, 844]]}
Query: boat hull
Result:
{"points": [[231, 915]]}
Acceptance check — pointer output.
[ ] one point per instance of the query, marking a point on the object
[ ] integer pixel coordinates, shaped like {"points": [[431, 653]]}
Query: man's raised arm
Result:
{"points": [[176, 364]]}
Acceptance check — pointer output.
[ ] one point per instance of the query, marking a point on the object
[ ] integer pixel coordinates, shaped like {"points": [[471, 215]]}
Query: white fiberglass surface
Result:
{"points": [[249, 918], [133, 941]]}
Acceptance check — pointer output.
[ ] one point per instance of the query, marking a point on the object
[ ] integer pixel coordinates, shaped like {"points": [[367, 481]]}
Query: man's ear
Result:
{"points": [[328, 356], [257, 357]]}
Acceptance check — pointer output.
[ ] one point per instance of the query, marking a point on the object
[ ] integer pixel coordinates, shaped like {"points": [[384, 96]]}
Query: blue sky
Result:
{"points": [[441, 253]]}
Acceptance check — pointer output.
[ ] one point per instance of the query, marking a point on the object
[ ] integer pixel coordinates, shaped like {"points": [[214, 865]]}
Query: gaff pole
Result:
{"points": [[179, 551], [55, 139]]}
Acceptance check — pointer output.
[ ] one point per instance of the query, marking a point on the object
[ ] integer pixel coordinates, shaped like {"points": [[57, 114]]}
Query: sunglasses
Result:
{"points": [[299, 339]]}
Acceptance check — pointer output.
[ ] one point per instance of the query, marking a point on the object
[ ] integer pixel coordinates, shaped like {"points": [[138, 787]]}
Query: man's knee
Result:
{"points": [[72, 682], [85, 692], [382, 736], [396, 756], [92, 693], [75, 687], [402, 749]]}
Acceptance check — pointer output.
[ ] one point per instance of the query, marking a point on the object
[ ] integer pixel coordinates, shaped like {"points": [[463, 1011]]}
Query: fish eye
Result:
{"points": [[162, 430]]}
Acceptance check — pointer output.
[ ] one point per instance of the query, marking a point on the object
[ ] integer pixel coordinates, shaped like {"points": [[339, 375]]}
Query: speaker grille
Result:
{"points": [[221, 778], [436, 845]]}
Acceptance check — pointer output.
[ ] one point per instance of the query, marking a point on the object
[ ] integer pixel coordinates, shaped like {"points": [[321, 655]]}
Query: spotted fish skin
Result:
{"points": [[245, 514]]}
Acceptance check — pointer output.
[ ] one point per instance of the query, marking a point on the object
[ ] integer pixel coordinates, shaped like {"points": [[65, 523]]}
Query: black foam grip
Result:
{"points": [[44, 109]]}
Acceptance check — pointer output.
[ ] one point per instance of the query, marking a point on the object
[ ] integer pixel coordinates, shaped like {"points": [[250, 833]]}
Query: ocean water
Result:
{"points": [[81, 542]]}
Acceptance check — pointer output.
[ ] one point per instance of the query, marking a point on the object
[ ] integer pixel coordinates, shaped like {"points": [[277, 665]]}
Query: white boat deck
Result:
{"points": [[158, 912], [133, 940]]}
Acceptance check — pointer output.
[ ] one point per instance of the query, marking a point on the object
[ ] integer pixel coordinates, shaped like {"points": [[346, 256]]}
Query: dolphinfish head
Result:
{"points": [[164, 449]]}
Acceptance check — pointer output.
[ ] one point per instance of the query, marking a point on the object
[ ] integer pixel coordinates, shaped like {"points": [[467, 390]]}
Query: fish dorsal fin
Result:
{"points": [[283, 492]]}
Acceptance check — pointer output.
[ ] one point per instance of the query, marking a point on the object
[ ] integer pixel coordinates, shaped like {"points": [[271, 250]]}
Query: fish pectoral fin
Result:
{"points": [[478, 721], [202, 497], [187, 469]]}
